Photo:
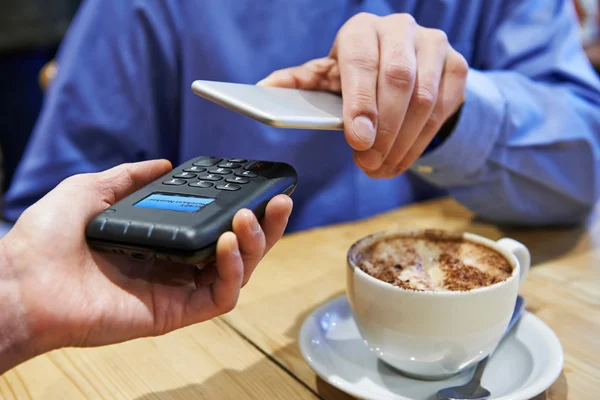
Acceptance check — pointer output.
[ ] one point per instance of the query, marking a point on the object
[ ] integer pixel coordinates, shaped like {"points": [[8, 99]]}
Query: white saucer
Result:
{"points": [[525, 364]]}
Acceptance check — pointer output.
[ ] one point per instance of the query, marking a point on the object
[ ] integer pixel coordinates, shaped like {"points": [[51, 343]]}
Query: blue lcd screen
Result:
{"points": [[174, 202]]}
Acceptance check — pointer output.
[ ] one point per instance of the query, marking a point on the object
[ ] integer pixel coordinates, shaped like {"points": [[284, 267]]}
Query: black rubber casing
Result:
{"points": [[189, 238]]}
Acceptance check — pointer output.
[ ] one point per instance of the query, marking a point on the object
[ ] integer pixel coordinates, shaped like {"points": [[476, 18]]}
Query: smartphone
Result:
{"points": [[279, 107]]}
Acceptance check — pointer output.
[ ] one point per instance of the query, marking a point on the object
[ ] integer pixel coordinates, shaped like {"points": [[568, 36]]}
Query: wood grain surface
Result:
{"points": [[252, 353]]}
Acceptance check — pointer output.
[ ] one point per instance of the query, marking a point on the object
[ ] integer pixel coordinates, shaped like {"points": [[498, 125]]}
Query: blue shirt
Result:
{"points": [[525, 150]]}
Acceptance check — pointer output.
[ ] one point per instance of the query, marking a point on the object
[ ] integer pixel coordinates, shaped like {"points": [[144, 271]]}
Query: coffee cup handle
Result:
{"points": [[522, 254]]}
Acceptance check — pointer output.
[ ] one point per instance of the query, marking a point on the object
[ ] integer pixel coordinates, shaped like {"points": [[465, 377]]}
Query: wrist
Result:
{"points": [[16, 341], [445, 131]]}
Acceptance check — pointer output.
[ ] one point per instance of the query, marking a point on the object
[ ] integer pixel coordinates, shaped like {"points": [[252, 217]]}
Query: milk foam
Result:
{"points": [[420, 263]]}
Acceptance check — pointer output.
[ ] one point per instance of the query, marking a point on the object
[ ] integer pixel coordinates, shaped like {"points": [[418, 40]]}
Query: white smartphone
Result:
{"points": [[280, 107]]}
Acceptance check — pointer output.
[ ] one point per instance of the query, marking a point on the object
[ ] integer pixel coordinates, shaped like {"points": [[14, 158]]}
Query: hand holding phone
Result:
{"points": [[275, 106]]}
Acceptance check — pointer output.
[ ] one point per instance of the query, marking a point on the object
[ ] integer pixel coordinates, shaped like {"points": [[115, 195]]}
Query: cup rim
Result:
{"points": [[466, 235]]}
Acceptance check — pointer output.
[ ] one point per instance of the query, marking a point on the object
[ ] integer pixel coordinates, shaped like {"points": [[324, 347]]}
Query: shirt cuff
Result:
{"points": [[456, 161]]}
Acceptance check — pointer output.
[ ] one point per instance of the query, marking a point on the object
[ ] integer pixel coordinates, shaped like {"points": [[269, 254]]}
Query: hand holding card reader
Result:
{"points": [[180, 216]]}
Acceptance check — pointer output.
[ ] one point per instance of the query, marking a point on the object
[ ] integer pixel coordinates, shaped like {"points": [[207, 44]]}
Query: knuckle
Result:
{"points": [[437, 36], [434, 120], [104, 191], [126, 177], [386, 132], [122, 178], [385, 140], [433, 123], [106, 185], [425, 97], [445, 110], [400, 75], [82, 182], [406, 19], [363, 17], [356, 23], [363, 102], [363, 62], [77, 180], [458, 66]]}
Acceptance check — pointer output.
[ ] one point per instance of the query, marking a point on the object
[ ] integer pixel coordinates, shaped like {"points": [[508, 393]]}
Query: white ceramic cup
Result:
{"points": [[433, 335]]}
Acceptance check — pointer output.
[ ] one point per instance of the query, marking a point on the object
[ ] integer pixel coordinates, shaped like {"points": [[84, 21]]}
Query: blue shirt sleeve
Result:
{"points": [[526, 149], [116, 68]]}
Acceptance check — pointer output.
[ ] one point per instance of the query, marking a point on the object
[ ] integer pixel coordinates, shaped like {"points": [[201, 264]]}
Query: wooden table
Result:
{"points": [[252, 353]]}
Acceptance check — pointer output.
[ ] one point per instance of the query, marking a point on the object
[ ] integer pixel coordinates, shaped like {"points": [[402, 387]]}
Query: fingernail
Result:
{"points": [[364, 129], [235, 247], [255, 226]]}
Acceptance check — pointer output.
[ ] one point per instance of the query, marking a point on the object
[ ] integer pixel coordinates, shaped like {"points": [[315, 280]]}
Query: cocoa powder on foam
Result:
{"points": [[462, 265]]}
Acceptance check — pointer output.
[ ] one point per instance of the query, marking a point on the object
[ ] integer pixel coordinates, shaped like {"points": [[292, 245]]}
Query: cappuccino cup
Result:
{"points": [[434, 326]]}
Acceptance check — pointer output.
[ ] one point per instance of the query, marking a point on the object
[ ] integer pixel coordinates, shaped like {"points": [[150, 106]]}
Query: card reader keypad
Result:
{"points": [[247, 174], [229, 186], [229, 165], [237, 179], [222, 174], [194, 169], [185, 175], [175, 182], [201, 184], [210, 177], [220, 171]]}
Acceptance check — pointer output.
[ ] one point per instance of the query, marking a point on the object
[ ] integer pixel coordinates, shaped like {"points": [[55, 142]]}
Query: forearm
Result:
{"points": [[15, 341], [10, 335], [523, 152]]}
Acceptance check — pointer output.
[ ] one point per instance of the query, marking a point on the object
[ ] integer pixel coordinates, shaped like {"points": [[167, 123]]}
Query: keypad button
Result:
{"points": [[229, 186], [231, 165], [237, 160], [207, 161], [247, 174], [201, 184], [175, 182], [237, 179], [220, 171], [259, 166], [185, 175], [210, 177], [194, 168]]}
